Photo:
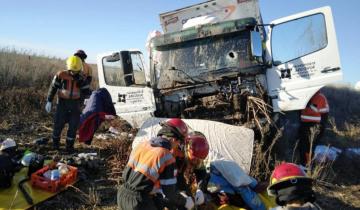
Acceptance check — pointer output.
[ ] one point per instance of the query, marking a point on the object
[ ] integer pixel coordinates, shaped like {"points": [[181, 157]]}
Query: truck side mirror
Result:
{"points": [[112, 58], [256, 44]]}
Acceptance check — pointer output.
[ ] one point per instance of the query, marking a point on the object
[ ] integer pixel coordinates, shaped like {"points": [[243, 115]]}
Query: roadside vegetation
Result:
{"points": [[24, 80]]}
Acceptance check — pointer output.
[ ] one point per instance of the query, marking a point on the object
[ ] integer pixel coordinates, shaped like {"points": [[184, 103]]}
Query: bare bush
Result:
{"points": [[344, 105], [21, 69], [263, 160]]}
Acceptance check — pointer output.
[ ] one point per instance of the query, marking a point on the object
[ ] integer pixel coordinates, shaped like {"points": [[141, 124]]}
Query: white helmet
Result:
{"points": [[8, 143]]}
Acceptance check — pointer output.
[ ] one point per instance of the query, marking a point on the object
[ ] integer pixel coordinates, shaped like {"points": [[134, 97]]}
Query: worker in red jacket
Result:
{"points": [[313, 120]]}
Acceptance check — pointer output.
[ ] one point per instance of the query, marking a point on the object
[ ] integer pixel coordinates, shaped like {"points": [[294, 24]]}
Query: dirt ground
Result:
{"points": [[337, 186]]}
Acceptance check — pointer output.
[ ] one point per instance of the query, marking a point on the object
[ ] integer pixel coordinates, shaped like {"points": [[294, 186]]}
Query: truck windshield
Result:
{"points": [[201, 59]]}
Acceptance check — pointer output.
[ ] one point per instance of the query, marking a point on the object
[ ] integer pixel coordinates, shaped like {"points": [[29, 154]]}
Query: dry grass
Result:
{"points": [[24, 69], [344, 105], [263, 160]]}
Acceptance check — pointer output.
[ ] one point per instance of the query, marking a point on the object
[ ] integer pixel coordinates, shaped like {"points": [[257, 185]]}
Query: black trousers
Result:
{"points": [[67, 111], [130, 200]]}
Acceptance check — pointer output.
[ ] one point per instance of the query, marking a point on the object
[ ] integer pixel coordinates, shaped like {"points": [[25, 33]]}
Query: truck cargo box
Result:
{"points": [[221, 10]]}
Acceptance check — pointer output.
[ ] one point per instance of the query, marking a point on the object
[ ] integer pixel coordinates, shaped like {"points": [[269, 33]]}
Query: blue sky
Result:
{"points": [[58, 28]]}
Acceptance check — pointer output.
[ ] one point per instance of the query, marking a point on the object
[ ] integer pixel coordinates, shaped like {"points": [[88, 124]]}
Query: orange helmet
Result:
{"points": [[197, 146], [287, 174], [178, 124]]}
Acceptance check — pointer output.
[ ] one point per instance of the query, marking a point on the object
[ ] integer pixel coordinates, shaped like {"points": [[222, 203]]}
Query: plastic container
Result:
{"points": [[39, 181], [55, 174]]}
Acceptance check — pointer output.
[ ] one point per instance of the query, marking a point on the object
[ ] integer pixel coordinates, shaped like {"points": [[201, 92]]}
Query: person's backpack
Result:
{"points": [[6, 170]]}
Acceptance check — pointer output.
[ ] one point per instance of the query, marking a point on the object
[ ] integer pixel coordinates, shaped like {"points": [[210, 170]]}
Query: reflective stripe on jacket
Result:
{"points": [[317, 105], [67, 85], [151, 162], [322, 104]]}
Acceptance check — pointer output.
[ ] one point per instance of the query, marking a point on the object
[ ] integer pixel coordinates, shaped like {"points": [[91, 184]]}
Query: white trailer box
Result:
{"points": [[221, 10]]}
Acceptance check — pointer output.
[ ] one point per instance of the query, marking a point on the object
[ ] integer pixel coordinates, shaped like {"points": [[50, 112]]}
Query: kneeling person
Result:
{"points": [[151, 168]]}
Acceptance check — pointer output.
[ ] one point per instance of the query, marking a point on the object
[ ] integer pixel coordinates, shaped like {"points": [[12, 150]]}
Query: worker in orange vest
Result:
{"points": [[67, 84], [151, 170], [313, 120]]}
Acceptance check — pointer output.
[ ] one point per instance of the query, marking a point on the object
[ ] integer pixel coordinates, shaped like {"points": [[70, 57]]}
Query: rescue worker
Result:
{"points": [[313, 121], [151, 169], [292, 188], [67, 85], [191, 168], [87, 73], [189, 158]]}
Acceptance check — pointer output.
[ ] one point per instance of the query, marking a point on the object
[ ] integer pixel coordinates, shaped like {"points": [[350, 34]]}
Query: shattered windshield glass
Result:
{"points": [[201, 59]]}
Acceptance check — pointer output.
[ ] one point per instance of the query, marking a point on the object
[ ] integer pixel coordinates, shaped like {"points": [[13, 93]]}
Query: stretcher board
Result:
{"points": [[13, 198], [225, 141]]}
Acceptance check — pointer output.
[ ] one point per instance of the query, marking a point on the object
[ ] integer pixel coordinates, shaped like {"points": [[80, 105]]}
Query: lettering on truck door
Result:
{"points": [[304, 55]]}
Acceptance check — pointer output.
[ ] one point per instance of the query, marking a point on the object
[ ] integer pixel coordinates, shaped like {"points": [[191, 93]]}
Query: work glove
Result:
{"points": [[199, 197], [86, 101], [48, 107], [189, 204]]}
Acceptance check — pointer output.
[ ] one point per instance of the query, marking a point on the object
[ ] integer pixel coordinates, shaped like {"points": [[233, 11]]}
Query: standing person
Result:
{"points": [[87, 73], [67, 84], [292, 188], [313, 121], [151, 169]]}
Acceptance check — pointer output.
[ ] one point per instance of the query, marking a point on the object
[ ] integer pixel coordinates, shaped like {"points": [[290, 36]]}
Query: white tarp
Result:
{"points": [[225, 141]]}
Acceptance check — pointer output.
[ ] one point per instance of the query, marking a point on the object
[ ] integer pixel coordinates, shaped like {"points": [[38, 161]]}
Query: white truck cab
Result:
{"points": [[291, 61], [132, 97], [304, 55]]}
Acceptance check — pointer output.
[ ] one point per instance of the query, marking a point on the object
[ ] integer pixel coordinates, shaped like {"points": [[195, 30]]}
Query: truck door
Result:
{"points": [[123, 75], [304, 55]]}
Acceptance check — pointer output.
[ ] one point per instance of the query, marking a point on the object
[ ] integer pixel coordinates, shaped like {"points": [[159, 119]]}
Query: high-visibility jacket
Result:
{"points": [[317, 106], [68, 86], [151, 162], [151, 167]]}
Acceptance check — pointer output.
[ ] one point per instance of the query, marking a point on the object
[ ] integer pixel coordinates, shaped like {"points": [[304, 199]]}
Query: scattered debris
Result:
{"points": [[105, 136], [325, 153], [353, 152], [41, 141], [114, 130]]}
